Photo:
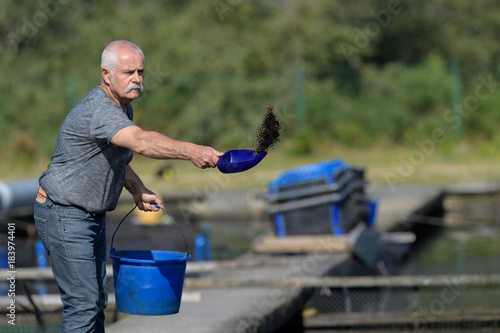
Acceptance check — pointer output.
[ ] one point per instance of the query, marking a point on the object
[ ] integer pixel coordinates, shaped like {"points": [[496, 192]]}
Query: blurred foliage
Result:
{"points": [[375, 70]]}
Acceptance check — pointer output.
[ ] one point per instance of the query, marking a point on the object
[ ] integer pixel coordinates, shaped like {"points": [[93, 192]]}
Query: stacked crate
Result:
{"points": [[321, 198]]}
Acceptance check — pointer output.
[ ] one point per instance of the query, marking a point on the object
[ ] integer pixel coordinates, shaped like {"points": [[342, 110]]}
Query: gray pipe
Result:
{"points": [[19, 193]]}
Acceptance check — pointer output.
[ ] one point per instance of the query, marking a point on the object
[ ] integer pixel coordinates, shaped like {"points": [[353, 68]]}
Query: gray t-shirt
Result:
{"points": [[88, 171]]}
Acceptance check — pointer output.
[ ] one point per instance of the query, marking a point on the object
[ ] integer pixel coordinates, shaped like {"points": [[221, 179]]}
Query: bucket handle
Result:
{"points": [[184, 238]]}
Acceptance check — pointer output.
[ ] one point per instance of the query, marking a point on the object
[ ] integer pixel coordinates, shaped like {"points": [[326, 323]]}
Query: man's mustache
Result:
{"points": [[133, 86]]}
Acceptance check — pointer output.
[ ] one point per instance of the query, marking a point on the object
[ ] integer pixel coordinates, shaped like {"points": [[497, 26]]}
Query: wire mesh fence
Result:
{"points": [[39, 313], [460, 302]]}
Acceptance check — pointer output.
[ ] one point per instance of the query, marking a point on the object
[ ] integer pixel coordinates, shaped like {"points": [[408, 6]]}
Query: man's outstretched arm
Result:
{"points": [[158, 146]]}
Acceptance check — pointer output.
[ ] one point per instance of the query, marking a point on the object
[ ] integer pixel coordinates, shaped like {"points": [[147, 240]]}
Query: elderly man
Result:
{"points": [[85, 177]]}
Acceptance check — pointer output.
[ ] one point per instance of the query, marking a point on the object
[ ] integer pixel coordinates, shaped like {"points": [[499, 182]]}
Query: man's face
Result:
{"points": [[129, 76]]}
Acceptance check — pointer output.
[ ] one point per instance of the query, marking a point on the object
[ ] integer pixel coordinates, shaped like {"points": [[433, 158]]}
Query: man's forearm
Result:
{"points": [[143, 198], [133, 183]]}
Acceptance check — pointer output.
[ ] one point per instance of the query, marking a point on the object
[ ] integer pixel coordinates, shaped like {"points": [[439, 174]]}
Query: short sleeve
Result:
{"points": [[108, 120]]}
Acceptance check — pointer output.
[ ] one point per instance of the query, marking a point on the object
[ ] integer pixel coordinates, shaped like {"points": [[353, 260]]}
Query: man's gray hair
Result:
{"points": [[109, 58]]}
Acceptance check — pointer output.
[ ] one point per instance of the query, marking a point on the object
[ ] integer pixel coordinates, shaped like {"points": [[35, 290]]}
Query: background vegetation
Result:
{"points": [[366, 75]]}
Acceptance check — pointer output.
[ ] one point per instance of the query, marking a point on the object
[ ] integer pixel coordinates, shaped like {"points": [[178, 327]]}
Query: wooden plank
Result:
{"points": [[301, 244], [350, 282], [415, 318], [54, 300], [473, 188], [398, 281], [193, 267]]}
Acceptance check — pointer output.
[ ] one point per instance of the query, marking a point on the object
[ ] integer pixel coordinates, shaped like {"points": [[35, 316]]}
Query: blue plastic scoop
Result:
{"points": [[239, 160]]}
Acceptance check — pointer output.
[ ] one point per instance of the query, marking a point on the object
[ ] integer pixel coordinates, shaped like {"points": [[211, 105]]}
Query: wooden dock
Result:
{"points": [[404, 204], [236, 305]]}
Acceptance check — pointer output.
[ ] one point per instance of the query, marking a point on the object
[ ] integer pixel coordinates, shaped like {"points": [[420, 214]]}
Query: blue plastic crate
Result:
{"points": [[321, 191]]}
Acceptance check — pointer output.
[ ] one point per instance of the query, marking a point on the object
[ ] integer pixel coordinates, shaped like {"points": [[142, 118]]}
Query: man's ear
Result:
{"points": [[106, 75]]}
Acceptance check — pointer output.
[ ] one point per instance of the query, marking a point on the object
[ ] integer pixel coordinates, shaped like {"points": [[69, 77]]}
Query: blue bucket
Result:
{"points": [[148, 282]]}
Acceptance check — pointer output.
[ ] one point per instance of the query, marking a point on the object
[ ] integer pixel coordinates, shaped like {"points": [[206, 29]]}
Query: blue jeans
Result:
{"points": [[76, 243]]}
